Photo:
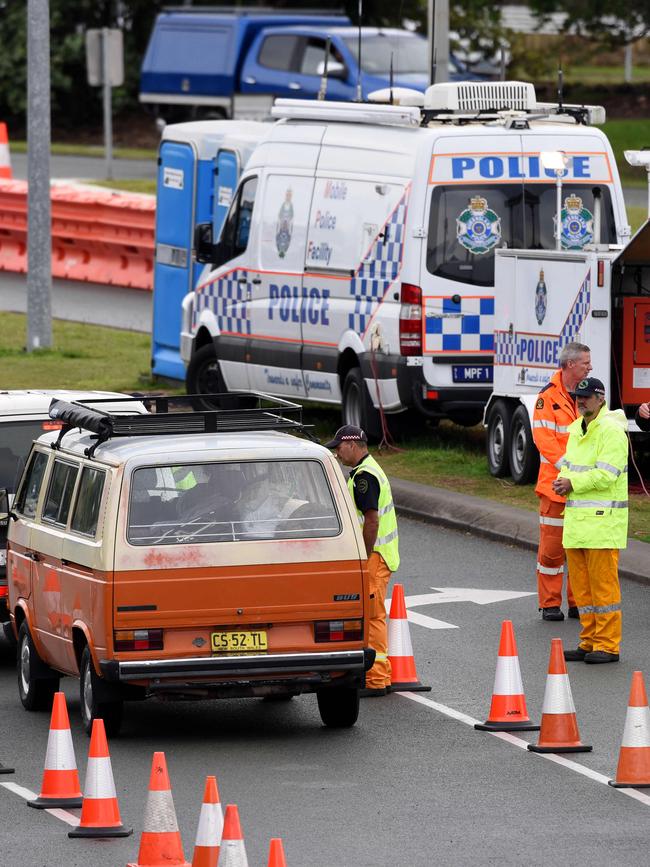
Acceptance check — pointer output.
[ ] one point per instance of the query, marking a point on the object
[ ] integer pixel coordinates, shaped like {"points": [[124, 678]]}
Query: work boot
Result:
{"points": [[553, 613], [595, 657], [577, 655], [573, 613], [372, 692]]}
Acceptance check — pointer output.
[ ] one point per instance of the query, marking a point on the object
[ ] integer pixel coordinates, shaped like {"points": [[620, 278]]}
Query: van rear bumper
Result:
{"points": [[238, 666]]}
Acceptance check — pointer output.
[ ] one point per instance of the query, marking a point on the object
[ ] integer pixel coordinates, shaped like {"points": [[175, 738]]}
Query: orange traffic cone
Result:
{"points": [[276, 854], [100, 813], [5, 161], [160, 843], [60, 786], [208, 835], [232, 852], [403, 675], [508, 708], [634, 758], [559, 731]]}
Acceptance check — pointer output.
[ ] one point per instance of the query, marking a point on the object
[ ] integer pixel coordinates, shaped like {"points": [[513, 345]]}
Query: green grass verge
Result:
{"points": [[628, 135], [81, 150], [637, 217], [130, 185]]}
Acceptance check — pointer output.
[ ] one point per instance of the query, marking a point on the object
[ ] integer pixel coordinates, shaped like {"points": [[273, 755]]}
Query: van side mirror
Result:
{"points": [[334, 70], [203, 243]]}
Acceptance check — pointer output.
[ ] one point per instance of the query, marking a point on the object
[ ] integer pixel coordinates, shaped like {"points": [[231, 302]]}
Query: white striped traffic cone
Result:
{"points": [[559, 730], [403, 676], [60, 787], [5, 161], [208, 835], [232, 852], [634, 758]]}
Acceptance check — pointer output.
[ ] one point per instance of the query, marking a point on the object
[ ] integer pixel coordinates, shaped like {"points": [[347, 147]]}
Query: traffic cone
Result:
{"points": [[634, 758], [276, 854], [232, 852], [403, 675], [208, 835], [508, 708], [5, 770], [559, 731], [5, 161], [160, 843], [60, 786], [100, 813]]}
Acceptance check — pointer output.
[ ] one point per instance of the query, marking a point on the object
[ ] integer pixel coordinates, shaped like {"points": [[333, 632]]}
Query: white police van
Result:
{"points": [[356, 263]]}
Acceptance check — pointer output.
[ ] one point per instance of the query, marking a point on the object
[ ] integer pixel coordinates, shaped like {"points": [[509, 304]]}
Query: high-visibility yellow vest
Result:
{"points": [[387, 542], [184, 478]]}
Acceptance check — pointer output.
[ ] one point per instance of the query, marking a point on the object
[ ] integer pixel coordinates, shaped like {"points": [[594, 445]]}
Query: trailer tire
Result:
{"points": [[357, 408], [498, 438], [524, 457]]}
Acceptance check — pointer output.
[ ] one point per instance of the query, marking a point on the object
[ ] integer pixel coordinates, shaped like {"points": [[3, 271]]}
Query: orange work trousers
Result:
{"points": [[550, 556], [379, 576], [594, 572]]}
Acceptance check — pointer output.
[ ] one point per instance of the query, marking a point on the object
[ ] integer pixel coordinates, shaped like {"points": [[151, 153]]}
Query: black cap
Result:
{"points": [[347, 433], [588, 387]]}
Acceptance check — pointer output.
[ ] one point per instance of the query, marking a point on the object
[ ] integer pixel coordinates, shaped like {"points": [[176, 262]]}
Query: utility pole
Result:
{"points": [[438, 30], [39, 228]]}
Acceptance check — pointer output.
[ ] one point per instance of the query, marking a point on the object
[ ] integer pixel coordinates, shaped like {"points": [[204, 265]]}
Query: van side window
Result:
{"points": [[89, 498], [59, 494], [237, 227], [277, 52], [28, 495]]}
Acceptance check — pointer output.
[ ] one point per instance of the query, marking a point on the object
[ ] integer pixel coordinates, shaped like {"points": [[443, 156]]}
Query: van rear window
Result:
{"points": [[231, 502]]}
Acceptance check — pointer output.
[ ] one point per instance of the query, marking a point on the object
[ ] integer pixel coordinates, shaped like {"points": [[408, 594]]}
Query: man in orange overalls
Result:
{"points": [[555, 409]]}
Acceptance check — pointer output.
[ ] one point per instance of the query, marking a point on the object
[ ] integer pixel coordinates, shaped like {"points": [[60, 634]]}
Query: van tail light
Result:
{"points": [[410, 320], [601, 272], [338, 630], [4, 590], [138, 639]]}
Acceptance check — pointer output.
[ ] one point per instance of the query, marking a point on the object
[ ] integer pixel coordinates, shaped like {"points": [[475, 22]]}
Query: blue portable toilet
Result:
{"points": [[199, 165]]}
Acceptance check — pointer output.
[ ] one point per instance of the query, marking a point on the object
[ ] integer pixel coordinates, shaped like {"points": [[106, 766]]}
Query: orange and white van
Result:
{"points": [[208, 554]]}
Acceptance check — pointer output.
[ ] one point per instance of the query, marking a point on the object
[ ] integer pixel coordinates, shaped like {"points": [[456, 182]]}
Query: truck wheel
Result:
{"points": [[357, 408], [90, 687], [498, 438], [37, 682], [524, 457], [204, 374], [338, 706]]}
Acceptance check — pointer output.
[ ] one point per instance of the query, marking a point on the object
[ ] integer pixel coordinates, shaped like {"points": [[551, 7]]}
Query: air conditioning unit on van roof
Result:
{"points": [[474, 96]]}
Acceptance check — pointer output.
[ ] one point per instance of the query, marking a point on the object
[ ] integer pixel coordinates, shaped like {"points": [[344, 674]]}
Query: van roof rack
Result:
{"points": [[234, 412]]}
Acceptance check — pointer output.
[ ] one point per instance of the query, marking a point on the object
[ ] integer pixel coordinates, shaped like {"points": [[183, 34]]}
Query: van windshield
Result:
{"points": [[230, 502], [15, 443], [468, 222], [410, 53]]}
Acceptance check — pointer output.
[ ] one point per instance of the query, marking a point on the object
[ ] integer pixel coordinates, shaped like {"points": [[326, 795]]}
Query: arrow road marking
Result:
{"points": [[454, 594]]}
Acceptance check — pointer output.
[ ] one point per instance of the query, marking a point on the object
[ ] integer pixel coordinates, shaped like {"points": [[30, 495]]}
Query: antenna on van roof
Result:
{"points": [[560, 86], [359, 91], [390, 80], [433, 67]]}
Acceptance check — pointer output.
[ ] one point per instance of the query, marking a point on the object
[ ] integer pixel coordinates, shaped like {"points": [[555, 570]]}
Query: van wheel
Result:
{"points": [[498, 438], [524, 457], [357, 408], [90, 686], [203, 372], [338, 706], [37, 682]]}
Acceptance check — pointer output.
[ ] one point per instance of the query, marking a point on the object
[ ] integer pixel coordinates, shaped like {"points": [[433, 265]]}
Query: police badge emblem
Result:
{"points": [[478, 228], [577, 224], [284, 225], [540, 299]]}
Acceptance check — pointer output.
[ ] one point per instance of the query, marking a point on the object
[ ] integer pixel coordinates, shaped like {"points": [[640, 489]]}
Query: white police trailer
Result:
{"points": [[356, 263]]}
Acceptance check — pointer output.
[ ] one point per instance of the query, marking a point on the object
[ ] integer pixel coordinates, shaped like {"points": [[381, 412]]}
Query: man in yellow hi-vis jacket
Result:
{"points": [[594, 481]]}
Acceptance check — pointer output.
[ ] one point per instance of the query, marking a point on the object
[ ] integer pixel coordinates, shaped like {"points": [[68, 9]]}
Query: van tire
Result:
{"points": [[338, 706], [91, 708], [498, 439], [357, 408], [37, 682], [204, 374], [524, 457]]}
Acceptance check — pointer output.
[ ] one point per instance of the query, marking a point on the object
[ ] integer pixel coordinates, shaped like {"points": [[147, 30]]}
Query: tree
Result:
{"points": [[612, 22]]}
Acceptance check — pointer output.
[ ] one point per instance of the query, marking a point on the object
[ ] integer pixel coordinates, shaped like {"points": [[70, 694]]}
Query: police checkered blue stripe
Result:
{"points": [[379, 272], [463, 326], [504, 347], [578, 313], [226, 299]]}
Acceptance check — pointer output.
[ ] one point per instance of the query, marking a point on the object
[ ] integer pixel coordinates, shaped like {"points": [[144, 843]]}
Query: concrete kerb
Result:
{"points": [[495, 521]]}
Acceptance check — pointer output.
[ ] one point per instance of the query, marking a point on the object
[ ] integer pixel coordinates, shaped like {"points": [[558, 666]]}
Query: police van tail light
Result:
{"points": [[138, 639], [410, 320], [338, 630]]}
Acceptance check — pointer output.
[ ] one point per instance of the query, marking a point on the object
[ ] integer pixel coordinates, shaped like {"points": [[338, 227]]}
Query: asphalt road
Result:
{"points": [[412, 784], [88, 168]]}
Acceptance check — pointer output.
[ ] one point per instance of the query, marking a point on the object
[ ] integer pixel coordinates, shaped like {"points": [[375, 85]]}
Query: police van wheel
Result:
{"points": [[92, 704], [357, 408], [204, 374], [498, 438], [37, 682], [338, 706], [524, 457]]}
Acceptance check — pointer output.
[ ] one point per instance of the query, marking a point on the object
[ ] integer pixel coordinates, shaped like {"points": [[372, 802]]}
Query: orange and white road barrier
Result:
{"points": [[5, 161], [559, 731], [634, 758], [276, 854], [100, 813], [232, 852], [60, 786], [508, 708], [208, 835], [160, 843], [404, 677]]}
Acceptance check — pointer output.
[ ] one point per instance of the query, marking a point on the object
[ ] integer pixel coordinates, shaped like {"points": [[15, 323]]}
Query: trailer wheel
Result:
{"points": [[498, 438], [357, 408], [524, 457]]}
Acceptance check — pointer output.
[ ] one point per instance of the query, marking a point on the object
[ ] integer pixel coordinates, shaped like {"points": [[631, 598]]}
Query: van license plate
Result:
{"points": [[238, 642], [471, 372]]}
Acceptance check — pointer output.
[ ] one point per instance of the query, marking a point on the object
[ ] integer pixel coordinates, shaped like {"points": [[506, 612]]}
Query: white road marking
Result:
{"points": [[453, 594], [512, 739], [58, 813], [429, 622]]}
